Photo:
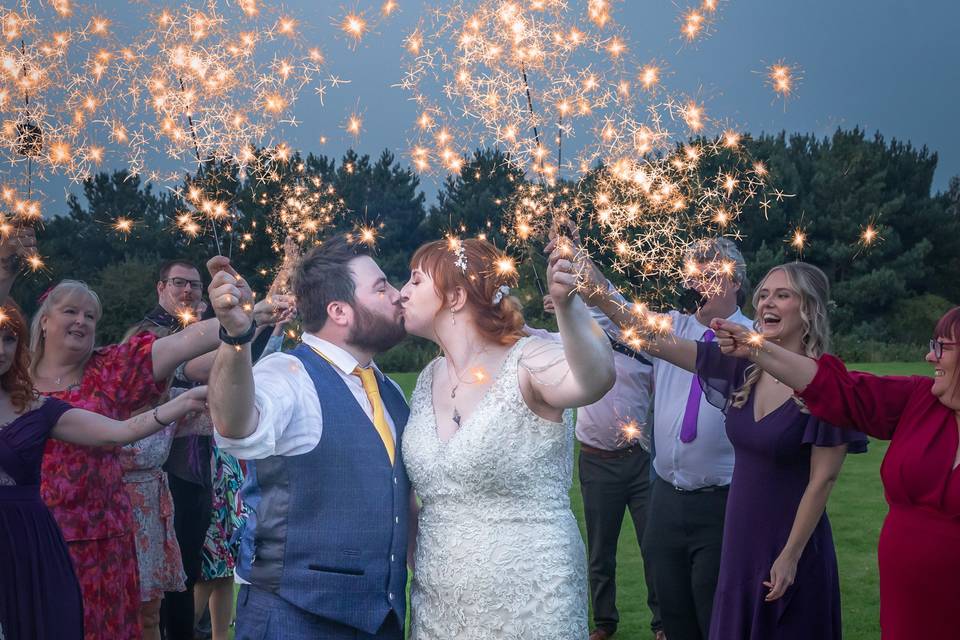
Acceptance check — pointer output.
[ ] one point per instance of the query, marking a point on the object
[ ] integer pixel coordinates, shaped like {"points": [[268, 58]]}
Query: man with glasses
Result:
{"points": [[179, 290]]}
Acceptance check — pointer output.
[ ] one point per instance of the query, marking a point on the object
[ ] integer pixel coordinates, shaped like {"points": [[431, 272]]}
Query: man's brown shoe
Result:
{"points": [[600, 634]]}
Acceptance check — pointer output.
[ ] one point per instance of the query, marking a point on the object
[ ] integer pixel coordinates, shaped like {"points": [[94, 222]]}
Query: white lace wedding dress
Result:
{"points": [[499, 554]]}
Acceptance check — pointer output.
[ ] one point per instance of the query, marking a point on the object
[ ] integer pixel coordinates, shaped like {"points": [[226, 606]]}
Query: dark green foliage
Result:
{"points": [[841, 185], [888, 295]]}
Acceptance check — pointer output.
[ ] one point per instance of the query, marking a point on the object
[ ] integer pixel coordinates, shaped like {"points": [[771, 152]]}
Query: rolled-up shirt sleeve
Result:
{"points": [[290, 420]]}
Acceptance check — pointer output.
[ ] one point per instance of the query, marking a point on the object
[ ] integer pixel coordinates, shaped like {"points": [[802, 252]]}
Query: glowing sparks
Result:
{"points": [[694, 24], [783, 79], [354, 25], [649, 76], [366, 235], [123, 225], [354, 125], [506, 266], [526, 75], [388, 7], [798, 240]]}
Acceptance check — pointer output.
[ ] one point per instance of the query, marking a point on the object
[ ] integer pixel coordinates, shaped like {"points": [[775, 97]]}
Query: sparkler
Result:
{"points": [[784, 79], [510, 70], [304, 208], [56, 67], [232, 73]]}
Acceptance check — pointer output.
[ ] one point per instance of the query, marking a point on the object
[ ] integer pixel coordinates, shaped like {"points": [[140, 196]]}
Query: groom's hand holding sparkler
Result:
{"points": [[230, 296], [231, 387]]}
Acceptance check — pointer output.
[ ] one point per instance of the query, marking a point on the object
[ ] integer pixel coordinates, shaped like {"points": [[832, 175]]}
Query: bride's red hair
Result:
{"points": [[481, 278], [16, 381]]}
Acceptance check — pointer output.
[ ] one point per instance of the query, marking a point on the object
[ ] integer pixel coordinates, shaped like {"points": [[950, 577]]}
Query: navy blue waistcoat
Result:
{"points": [[327, 529]]}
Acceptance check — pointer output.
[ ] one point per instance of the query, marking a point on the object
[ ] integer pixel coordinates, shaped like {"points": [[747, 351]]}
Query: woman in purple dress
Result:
{"points": [[778, 571], [39, 593]]}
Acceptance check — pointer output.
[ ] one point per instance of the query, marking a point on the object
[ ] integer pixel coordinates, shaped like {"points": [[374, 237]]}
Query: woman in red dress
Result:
{"points": [[919, 549], [83, 486]]}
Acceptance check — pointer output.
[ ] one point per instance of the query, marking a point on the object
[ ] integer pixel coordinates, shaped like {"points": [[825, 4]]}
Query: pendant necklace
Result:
{"points": [[456, 417]]}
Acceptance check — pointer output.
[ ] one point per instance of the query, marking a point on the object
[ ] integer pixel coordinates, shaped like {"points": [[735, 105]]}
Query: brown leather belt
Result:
{"points": [[607, 455]]}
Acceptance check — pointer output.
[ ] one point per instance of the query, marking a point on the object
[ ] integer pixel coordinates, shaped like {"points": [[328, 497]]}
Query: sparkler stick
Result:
{"points": [[196, 151], [26, 102], [536, 136]]}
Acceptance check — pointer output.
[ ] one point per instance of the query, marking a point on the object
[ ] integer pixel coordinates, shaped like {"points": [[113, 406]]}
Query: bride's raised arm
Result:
{"points": [[580, 370]]}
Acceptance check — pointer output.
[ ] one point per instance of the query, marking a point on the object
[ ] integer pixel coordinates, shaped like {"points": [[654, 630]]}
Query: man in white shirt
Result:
{"points": [[324, 550], [693, 458]]}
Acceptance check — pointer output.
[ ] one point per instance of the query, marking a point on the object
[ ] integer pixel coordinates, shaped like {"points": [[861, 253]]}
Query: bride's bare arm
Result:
{"points": [[580, 370]]}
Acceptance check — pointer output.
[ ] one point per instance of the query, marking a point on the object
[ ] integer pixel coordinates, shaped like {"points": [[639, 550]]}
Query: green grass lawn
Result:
{"points": [[856, 509]]}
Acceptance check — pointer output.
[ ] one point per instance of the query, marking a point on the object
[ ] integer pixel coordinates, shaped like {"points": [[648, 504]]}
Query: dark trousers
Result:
{"points": [[262, 615], [685, 535], [192, 504], [609, 487]]}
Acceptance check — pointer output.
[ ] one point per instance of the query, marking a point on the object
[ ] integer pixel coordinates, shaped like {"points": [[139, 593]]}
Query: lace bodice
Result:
{"points": [[499, 554]]}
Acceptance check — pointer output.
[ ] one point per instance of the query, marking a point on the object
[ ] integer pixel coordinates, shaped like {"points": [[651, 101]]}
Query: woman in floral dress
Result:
{"points": [[83, 485]]}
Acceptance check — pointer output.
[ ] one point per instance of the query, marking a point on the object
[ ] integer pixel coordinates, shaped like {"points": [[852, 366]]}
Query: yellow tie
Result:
{"points": [[369, 380]]}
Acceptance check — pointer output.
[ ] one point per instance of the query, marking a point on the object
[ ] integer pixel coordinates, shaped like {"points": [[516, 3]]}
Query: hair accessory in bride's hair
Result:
{"points": [[503, 290], [461, 255]]}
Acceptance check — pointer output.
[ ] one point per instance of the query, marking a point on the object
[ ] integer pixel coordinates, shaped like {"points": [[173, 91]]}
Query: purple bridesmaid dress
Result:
{"points": [[39, 593], [769, 478]]}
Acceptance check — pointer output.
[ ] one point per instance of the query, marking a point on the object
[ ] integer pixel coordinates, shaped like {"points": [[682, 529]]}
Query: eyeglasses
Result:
{"points": [[180, 283], [936, 347]]}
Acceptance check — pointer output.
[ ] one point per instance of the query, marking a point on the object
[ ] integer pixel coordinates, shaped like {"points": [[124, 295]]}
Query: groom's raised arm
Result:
{"points": [[231, 388]]}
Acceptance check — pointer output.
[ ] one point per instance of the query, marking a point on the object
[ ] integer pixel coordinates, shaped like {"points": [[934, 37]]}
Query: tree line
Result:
{"points": [[887, 295]]}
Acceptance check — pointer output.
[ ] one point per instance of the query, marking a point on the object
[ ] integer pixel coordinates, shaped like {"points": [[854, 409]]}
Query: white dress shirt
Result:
{"points": [[708, 459], [618, 419], [291, 421]]}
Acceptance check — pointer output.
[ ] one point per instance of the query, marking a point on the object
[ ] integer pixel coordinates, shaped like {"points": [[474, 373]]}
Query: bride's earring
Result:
{"points": [[453, 316]]}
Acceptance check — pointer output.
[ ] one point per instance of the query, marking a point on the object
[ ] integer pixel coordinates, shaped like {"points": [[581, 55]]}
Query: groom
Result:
{"points": [[324, 551]]}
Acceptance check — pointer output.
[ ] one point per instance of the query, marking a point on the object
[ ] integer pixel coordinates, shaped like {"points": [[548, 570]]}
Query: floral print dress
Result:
{"points": [[158, 554], [83, 487], [221, 545]]}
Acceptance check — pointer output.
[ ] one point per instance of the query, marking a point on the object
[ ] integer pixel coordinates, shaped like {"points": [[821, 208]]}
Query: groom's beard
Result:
{"points": [[374, 332]]}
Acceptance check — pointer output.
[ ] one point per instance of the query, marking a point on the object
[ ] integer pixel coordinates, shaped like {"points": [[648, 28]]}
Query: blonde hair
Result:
{"points": [[813, 287], [66, 289]]}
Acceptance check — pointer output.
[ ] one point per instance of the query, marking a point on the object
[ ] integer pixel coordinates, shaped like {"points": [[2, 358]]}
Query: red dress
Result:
{"points": [[83, 487], [919, 548]]}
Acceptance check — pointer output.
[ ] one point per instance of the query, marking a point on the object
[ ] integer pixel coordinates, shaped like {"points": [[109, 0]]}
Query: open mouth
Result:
{"points": [[939, 373], [769, 319], [76, 334]]}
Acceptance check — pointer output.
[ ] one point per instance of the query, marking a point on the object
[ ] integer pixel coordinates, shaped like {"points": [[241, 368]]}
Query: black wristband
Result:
{"points": [[241, 339]]}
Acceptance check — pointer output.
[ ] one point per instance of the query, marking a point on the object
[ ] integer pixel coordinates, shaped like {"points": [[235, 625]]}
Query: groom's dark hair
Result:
{"points": [[323, 276]]}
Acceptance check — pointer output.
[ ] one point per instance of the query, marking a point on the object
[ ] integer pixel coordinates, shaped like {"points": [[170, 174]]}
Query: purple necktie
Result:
{"points": [[688, 429]]}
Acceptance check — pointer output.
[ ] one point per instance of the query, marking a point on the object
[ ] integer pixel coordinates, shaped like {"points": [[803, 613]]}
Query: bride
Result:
{"points": [[489, 450]]}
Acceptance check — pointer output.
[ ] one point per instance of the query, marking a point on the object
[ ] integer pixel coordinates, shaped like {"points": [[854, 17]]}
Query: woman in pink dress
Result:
{"points": [[82, 485], [919, 549]]}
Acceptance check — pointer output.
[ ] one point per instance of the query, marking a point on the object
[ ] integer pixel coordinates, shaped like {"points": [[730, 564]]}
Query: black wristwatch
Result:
{"points": [[241, 339]]}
